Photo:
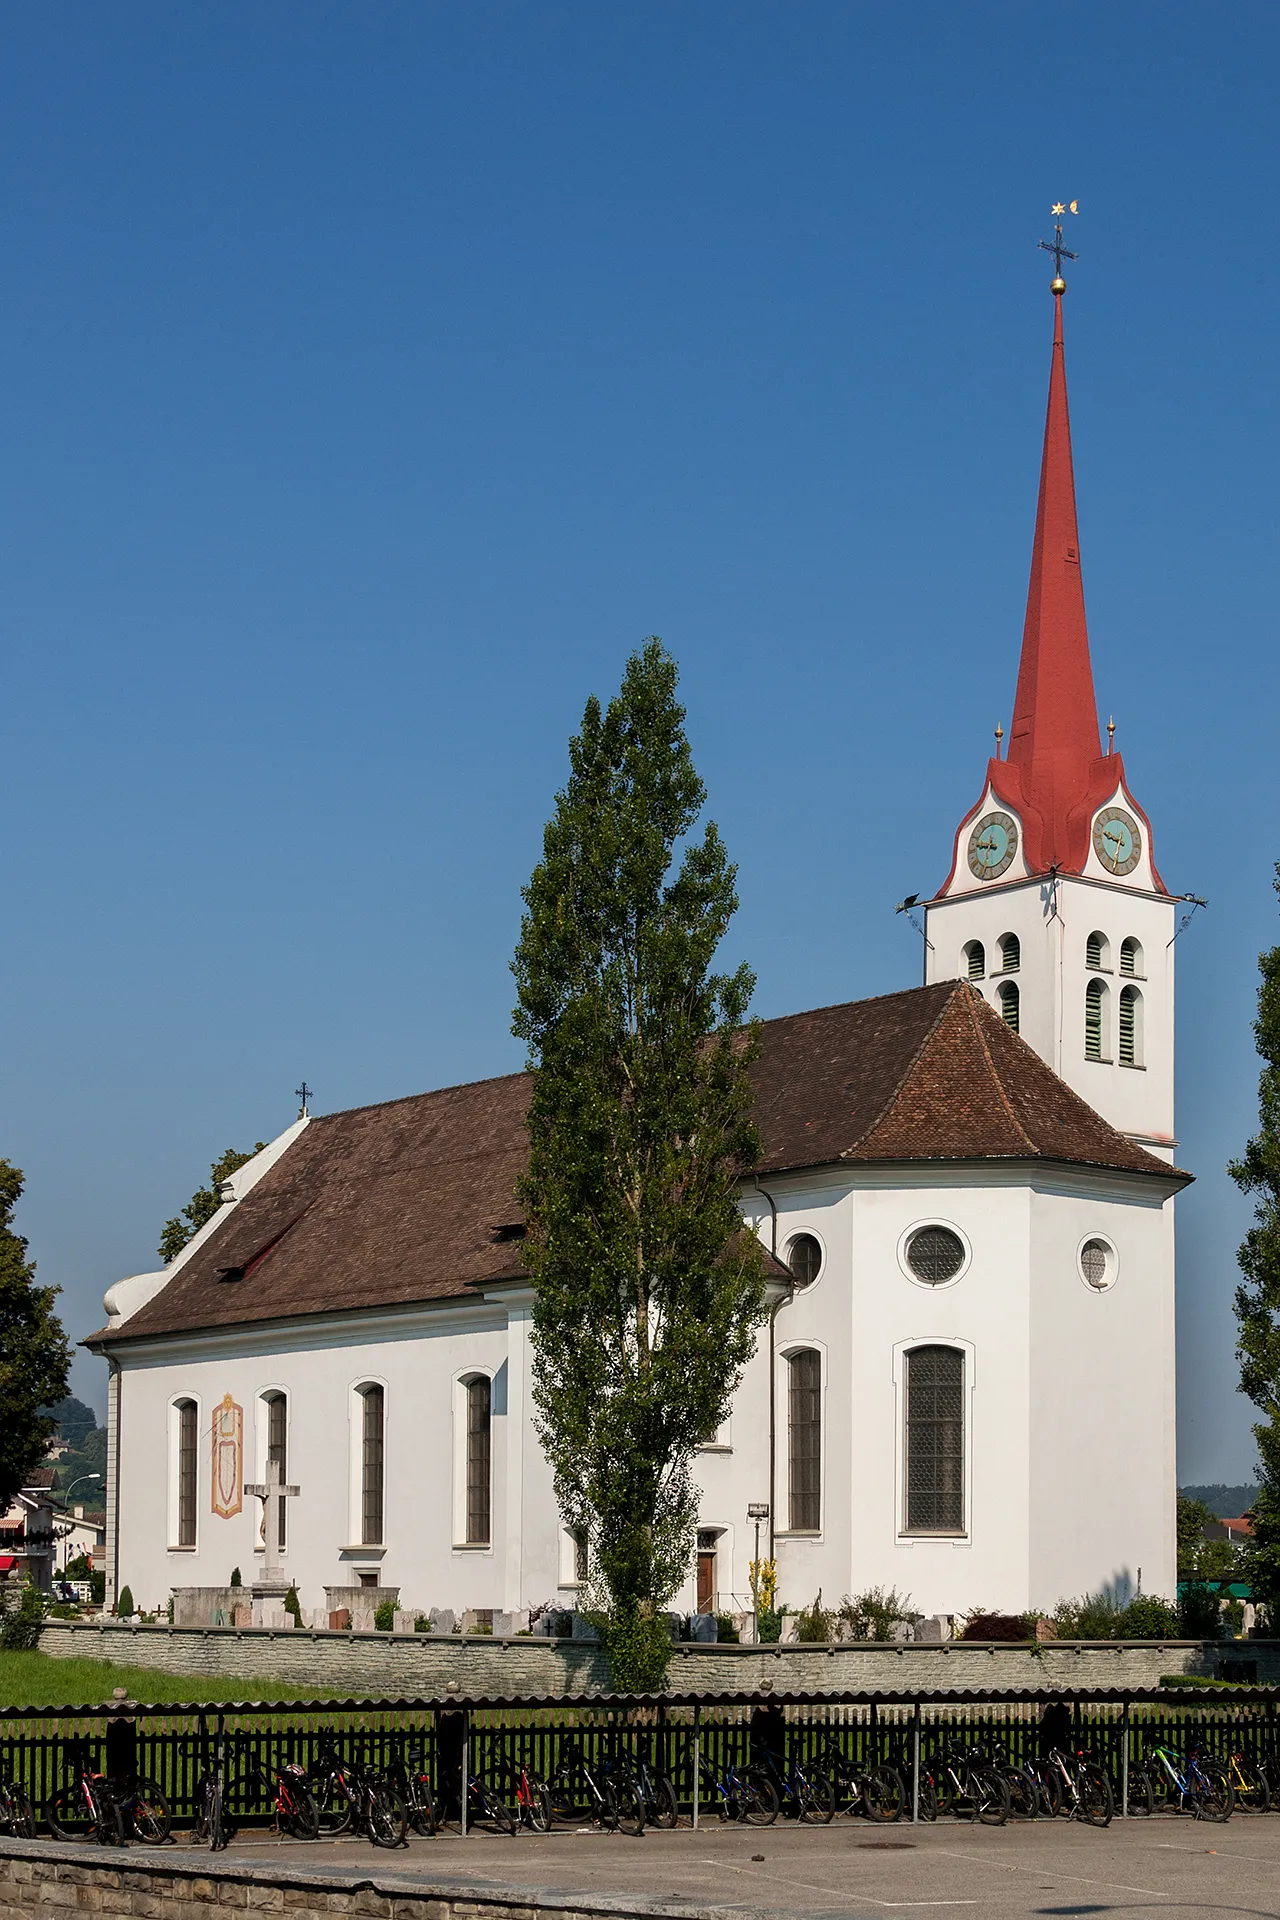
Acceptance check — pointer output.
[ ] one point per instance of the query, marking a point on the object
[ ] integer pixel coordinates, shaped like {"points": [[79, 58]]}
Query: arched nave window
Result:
{"points": [[373, 1420], [935, 1440], [275, 1406], [975, 961], [804, 1427], [185, 1421], [1130, 1027], [1010, 1007], [479, 1460], [1095, 1020]]}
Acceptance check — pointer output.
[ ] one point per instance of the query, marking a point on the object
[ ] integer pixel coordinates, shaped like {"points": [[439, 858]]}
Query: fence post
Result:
{"points": [[697, 1762], [464, 1784], [1124, 1764], [915, 1766]]}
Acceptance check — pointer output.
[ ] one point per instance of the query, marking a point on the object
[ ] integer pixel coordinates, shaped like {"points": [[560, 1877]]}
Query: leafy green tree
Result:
{"points": [[1193, 1517], [648, 1292], [1257, 1301], [204, 1203], [34, 1355]]}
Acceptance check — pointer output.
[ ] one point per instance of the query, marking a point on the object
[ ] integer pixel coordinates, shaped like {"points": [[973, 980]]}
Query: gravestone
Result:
{"points": [[402, 1620], [581, 1629], [507, 1624], [442, 1619], [205, 1606], [702, 1627]]}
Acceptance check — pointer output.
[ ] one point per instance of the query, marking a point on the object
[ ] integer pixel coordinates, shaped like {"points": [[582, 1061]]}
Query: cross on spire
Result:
{"points": [[304, 1093], [1055, 246]]}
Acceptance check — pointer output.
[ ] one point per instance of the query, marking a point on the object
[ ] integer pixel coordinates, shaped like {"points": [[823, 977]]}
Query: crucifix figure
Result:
{"points": [[1055, 246], [273, 1496]]}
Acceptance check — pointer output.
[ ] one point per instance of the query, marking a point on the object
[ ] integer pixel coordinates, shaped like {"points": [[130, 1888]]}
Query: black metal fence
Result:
{"points": [[175, 1746]]}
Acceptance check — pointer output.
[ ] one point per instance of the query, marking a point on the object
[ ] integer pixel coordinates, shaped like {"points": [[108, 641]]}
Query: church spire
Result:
{"points": [[1054, 738]]}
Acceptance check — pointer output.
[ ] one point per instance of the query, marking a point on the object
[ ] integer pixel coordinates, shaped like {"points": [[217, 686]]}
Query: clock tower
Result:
{"points": [[1054, 907]]}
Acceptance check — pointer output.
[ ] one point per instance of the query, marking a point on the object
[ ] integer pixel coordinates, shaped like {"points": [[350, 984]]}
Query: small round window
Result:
{"points": [[804, 1257], [935, 1255], [1098, 1265]]}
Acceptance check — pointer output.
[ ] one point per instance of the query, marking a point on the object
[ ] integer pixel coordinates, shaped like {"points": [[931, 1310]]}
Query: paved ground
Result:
{"points": [[1042, 1868]]}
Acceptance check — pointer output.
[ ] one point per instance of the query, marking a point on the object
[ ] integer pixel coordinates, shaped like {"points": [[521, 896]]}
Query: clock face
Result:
{"points": [[992, 845], [1117, 840]]}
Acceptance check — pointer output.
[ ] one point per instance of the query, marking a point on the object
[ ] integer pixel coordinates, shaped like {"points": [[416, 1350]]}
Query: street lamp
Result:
{"points": [[757, 1510]]}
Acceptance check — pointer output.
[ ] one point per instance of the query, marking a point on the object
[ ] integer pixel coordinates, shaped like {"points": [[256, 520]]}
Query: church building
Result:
{"points": [[965, 1387]]}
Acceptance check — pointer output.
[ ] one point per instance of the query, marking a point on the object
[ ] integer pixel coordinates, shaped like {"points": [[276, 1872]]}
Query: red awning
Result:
{"points": [[8, 1561]]}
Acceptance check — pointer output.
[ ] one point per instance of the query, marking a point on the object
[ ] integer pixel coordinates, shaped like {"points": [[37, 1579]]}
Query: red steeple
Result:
{"points": [[1054, 738], [1056, 775]]}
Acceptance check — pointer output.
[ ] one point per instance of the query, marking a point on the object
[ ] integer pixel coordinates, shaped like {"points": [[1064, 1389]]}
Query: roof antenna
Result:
{"points": [[304, 1093]]}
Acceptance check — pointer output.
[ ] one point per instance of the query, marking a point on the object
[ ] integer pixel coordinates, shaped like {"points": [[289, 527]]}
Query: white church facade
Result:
{"points": [[965, 1387]]}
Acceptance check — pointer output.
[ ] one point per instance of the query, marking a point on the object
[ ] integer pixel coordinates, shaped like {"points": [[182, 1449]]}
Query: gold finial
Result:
{"points": [[1060, 253], [999, 738], [1111, 735]]}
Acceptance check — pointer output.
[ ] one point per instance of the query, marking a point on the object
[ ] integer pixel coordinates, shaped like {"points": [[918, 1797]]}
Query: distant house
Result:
{"points": [[28, 1539]]}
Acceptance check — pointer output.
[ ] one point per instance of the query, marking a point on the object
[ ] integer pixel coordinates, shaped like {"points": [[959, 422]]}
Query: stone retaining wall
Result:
{"points": [[421, 1666], [42, 1877]]}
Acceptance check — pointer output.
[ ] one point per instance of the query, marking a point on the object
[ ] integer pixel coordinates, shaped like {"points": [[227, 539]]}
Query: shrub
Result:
{"points": [[1000, 1626], [1093, 1617], [384, 1615], [81, 1568], [769, 1625], [293, 1606], [124, 1605], [97, 1588], [725, 1629], [1149, 1618], [20, 1630], [871, 1615], [638, 1646], [421, 1623], [235, 1580], [814, 1621], [1198, 1615]]}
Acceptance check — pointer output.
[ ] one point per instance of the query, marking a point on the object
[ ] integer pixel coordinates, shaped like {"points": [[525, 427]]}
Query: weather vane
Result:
{"points": [[1055, 246]]}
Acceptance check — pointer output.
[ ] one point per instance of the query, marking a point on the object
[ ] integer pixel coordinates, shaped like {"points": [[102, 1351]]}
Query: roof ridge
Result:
{"points": [[1005, 1102], [909, 1069]]}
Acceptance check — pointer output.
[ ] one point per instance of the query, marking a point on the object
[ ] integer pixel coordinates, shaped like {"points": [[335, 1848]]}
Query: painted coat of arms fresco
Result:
{"points": [[228, 1457]]}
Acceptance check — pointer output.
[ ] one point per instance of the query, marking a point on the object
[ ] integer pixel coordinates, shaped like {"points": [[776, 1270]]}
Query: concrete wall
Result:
{"points": [[421, 1666], [41, 1877]]}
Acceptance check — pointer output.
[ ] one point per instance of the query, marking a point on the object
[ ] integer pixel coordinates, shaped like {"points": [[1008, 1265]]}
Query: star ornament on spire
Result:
{"points": [[1055, 246]]}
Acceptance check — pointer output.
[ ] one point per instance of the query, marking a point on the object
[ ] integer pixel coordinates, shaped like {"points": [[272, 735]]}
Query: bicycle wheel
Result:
{"points": [[1141, 1799], [757, 1798], [535, 1806], [385, 1815], [149, 1817], [628, 1807], [660, 1807], [988, 1794], [928, 1798], [214, 1814], [1049, 1786], [491, 1807], [818, 1799], [1024, 1800], [883, 1794], [1096, 1801], [18, 1813], [422, 1806], [333, 1809], [1213, 1796], [108, 1829], [68, 1815], [296, 1811]]}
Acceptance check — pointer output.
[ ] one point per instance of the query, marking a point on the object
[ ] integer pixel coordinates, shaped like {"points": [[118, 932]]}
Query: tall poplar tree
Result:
{"points": [[1257, 1301], [648, 1292], [34, 1356]]}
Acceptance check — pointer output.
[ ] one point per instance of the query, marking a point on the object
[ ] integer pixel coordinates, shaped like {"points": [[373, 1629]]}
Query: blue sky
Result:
{"points": [[378, 377]]}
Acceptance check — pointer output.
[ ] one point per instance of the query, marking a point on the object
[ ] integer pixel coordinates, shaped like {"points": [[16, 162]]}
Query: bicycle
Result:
{"points": [[408, 1774], [17, 1815], [347, 1795], [741, 1793], [965, 1781], [484, 1804], [1204, 1789], [1086, 1788], [811, 1794], [532, 1800], [661, 1808], [1024, 1788], [612, 1799], [211, 1794], [144, 1810], [1249, 1784], [284, 1785], [878, 1793], [86, 1808]]}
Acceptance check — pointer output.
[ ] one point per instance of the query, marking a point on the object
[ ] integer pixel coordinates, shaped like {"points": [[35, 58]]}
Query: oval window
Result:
{"points": [[935, 1255], [804, 1257], [1097, 1265]]}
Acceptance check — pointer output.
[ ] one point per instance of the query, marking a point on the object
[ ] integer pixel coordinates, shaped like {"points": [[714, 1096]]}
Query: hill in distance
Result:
{"points": [[1224, 1503]]}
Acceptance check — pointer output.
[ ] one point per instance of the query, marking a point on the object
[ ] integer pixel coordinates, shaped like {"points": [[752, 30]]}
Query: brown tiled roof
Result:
{"points": [[385, 1206], [39, 1480]]}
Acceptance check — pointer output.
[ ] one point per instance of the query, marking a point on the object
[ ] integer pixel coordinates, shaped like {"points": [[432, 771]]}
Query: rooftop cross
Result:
{"points": [[1055, 246], [304, 1093]]}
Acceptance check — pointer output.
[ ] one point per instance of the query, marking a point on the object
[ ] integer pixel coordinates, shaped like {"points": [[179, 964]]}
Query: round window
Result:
{"points": [[935, 1255], [1097, 1265], [804, 1257]]}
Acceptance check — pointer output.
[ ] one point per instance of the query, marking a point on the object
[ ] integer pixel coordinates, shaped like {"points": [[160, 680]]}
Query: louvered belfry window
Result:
{"points": [[278, 1447], [1010, 1009], [1093, 1003], [805, 1424], [187, 1473], [372, 1466], [935, 1440], [479, 1422], [1129, 1017], [976, 959], [1011, 952], [1094, 949], [1130, 957]]}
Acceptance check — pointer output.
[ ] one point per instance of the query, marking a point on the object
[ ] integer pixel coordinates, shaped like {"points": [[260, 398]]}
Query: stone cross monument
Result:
{"points": [[272, 1580]]}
